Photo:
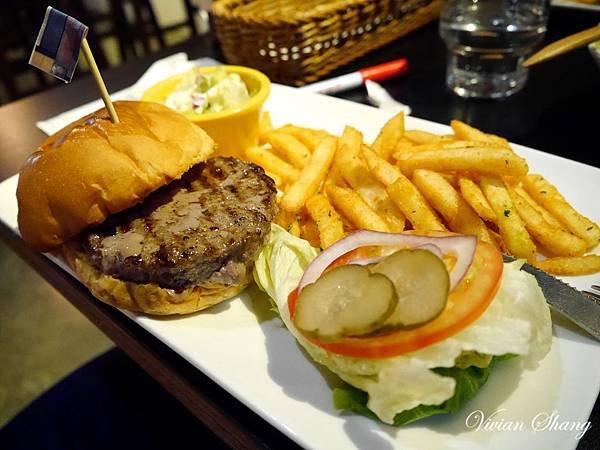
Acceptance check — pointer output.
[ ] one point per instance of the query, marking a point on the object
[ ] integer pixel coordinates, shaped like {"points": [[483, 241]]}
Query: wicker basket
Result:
{"points": [[298, 42]]}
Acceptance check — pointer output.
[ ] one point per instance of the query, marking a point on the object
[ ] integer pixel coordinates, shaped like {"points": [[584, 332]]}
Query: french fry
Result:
{"points": [[468, 133], [294, 228], [468, 144], [440, 145], [473, 194], [571, 265], [264, 126], [410, 201], [512, 229], [480, 160], [390, 213], [349, 227], [385, 172], [310, 178], [427, 147], [548, 217], [499, 141], [404, 145], [335, 176], [357, 174], [350, 143], [452, 207], [328, 221], [557, 241], [272, 163], [389, 135], [308, 229], [309, 137], [547, 194], [284, 219], [294, 150], [422, 137], [355, 209], [451, 178], [499, 242]]}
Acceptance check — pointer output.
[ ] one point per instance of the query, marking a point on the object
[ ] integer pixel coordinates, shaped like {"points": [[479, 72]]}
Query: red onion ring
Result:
{"points": [[365, 261], [462, 247]]}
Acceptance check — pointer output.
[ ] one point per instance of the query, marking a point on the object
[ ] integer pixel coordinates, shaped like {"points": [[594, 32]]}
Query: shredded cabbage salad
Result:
{"points": [[208, 92]]}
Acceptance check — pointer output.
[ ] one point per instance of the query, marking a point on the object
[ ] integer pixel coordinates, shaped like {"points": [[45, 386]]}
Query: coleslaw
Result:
{"points": [[208, 92]]}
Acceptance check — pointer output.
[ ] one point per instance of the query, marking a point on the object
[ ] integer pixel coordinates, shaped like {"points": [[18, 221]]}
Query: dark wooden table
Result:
{"points": [[557, 112]]}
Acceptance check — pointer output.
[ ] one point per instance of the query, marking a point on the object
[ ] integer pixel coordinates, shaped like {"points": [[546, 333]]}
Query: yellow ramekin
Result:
{"points": [[233, 130]]}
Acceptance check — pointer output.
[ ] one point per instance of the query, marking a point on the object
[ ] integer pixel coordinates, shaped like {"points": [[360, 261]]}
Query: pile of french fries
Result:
{"points": [[468, 182]]}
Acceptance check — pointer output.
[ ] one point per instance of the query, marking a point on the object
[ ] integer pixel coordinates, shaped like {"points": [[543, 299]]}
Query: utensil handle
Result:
{"points": [[564, 45]]}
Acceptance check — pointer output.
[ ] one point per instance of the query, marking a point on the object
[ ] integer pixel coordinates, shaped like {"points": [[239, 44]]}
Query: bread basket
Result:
{"points": [[299, 41]]}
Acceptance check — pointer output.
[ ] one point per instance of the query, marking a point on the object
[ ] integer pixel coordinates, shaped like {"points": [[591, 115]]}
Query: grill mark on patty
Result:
{"points": [[207, 227]]}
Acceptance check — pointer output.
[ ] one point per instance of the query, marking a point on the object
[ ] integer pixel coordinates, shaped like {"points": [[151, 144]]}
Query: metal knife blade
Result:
{"points": [[581, 309]]}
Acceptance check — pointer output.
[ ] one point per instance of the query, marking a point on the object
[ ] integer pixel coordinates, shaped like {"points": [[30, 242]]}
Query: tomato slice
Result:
{"points": [[465, 304]]}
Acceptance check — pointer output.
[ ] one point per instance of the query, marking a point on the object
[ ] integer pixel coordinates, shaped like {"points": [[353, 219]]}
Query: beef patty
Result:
{"points": [[207, 227]]}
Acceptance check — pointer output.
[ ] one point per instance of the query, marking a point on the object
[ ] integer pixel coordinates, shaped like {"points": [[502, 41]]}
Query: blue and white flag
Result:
{"points": [[57, 46]]}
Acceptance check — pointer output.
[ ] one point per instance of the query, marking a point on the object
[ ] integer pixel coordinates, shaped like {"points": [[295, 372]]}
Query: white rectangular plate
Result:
{"points": [[247, 351]]}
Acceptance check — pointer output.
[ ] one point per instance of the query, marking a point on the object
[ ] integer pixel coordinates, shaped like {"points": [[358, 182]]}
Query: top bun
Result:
{"points": [[93, 168]]}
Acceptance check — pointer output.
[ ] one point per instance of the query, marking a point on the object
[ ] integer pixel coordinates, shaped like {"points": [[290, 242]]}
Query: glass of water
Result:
{"points": [[487, 42]]}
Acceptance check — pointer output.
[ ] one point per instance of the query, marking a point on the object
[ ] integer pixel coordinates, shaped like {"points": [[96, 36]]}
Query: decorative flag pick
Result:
{"points": [[57, 48]]}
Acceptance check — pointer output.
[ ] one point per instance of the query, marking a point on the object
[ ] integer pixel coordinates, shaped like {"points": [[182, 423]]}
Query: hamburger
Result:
{"points": [[141, 214]]}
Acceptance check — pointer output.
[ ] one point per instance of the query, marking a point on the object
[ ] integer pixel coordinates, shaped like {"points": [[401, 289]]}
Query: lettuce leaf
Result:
{"points": [[468, 382], [281, 263]]}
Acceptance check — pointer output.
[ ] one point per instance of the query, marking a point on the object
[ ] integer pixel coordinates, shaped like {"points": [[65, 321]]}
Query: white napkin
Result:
{"points": [[159, 70], [381, 98]]}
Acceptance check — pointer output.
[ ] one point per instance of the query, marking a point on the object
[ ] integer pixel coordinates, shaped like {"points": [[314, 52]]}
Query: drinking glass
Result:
{"points": [[487, 42]]}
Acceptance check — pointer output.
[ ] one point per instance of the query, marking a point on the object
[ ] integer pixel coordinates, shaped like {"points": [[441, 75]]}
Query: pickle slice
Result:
{"points": [[421, 282], [346, 301]]}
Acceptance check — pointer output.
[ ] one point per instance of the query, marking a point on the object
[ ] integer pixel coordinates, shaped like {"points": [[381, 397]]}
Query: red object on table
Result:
{"points": [[386, 70]]}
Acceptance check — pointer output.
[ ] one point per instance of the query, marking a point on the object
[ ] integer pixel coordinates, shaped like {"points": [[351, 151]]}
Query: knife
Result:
{"points": [[581, 309]]}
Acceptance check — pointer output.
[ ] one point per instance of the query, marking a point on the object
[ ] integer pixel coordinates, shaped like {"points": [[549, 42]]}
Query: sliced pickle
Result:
{"points": [[345, 301], [421, 282]]}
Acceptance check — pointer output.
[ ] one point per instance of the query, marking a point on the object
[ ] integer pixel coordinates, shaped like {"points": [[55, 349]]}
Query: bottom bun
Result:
{"points": [[148, 298]]}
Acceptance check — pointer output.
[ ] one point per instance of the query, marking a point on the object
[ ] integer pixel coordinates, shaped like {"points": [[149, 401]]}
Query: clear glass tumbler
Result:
{"points": [[487, 42]]}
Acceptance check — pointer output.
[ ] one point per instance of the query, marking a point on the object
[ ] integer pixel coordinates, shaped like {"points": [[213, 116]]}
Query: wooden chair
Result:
{"points": [[140, 27], [20, 21]]}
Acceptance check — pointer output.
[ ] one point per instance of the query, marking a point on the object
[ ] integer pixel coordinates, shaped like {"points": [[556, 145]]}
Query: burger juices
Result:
{"points": [[146, 221]]}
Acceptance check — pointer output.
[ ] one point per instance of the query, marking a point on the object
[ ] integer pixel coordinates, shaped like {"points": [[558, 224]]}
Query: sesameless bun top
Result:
{"points": [[93, 168]]}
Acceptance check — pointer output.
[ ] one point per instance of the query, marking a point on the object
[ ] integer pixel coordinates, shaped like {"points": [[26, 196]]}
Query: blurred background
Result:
{"points": [[120, 30]]}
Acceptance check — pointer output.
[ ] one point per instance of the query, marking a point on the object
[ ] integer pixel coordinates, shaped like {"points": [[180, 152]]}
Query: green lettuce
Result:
{"points": [[281, 263], [468, 382]]}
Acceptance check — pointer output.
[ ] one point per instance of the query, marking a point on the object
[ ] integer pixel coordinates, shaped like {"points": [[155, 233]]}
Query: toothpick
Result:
{"points": [[87, 52]]}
